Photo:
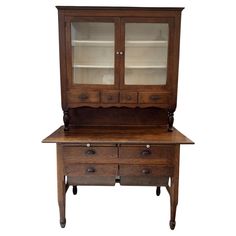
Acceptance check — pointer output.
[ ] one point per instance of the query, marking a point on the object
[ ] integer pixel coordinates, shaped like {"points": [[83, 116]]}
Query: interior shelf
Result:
{"points": [[92, 42], [92, 66], [146, 67], [146, 43]]}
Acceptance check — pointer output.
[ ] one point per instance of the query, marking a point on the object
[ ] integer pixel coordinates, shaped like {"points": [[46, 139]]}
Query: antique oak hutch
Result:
{"points": [[119, 76]]}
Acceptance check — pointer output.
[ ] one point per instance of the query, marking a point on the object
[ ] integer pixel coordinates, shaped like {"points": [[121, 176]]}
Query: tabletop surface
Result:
{"points": [[121, 135]]}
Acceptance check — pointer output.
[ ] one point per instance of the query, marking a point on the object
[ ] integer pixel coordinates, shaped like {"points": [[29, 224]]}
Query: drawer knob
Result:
{"points": [[90, 152], [154, 97], [146, 152], [128, 97], [146, 171], [91, 170], [83, 96]]}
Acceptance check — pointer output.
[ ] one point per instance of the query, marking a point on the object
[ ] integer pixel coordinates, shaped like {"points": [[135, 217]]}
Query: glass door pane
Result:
{"points": [[93, 52], [146, 52]]}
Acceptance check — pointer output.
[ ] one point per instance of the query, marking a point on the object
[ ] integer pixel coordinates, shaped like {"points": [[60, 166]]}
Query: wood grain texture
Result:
{"points": [[87, 116], [127, 135], [118, 132]]}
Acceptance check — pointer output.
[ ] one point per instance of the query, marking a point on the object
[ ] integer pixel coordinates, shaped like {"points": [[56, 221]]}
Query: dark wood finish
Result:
{"points": [[91, 174], [170, 120], [79, 95], [118, 133], [158, 191], [145, 170], [110, 97], [128, 97], [66, 120], [144, 180], [115, 135], [77, 154], [163, 153], [61, 186], [87, 116], [153, 98], [84, 97], [91, 169], [174, 187]]}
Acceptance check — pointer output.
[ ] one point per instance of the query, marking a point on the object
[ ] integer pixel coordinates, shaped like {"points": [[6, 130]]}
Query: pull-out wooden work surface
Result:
{"points": [[116, 134], [142, 156]]}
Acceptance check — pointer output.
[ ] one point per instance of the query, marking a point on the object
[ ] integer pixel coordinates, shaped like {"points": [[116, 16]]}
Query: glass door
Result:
{"points": [[92, 48], [146, 52]]}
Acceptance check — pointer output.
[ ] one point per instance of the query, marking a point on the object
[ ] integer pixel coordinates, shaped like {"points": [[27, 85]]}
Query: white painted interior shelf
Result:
{"points": [[146, 43], [92, 42], [128, 43], [146, 67], [92, 66], [127, 67]]}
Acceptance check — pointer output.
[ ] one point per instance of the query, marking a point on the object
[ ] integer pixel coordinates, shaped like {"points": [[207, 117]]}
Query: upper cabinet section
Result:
{"points": [[119, 56], [93, 52]]}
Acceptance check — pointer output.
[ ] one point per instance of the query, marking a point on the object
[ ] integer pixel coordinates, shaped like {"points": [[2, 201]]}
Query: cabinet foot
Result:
{"points": [[158, 191], [63, 223], [172, 224], [74, 190]]}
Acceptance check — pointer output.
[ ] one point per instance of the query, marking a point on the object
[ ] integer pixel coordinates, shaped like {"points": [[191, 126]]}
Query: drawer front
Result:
{"points": [[110, 97], [161, 154], [77, 154], [153, 98], [91, 170], [84, 97], [91, 174], [128, 97], [145, 175], [145, 170]]}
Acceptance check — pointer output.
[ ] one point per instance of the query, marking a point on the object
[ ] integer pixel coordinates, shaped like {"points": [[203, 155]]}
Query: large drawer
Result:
{"points": [[91, 174], [82, 154], [159, 154], [145, 170], [145, 175]]}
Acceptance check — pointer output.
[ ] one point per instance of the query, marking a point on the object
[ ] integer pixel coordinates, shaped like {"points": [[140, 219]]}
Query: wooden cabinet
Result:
{"points": [[119, 75]]}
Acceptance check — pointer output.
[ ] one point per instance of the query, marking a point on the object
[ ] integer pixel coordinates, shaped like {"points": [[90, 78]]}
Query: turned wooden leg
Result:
{"points": [[173, 201], [66, 120], [61, 186], [174, 188], [74, 190], [170, 120]]}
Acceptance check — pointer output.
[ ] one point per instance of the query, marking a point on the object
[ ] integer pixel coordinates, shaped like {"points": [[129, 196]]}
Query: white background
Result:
{"points": [[30, 110]]}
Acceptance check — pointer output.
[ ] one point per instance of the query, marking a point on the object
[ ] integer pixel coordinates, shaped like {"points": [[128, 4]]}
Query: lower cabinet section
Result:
{"points": [[107, 174], [125, 164]]}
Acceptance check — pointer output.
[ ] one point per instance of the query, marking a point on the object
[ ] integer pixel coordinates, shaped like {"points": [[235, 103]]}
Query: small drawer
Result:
{"points": [[145, 170], [153, 98], [84, 97], [128, 97], [91, 174], [80, 154], [159, 154], [110, 97]]}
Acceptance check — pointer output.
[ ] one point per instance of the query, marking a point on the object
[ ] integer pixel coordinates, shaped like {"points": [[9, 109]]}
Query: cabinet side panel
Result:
{"points": [[62, 48]]}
